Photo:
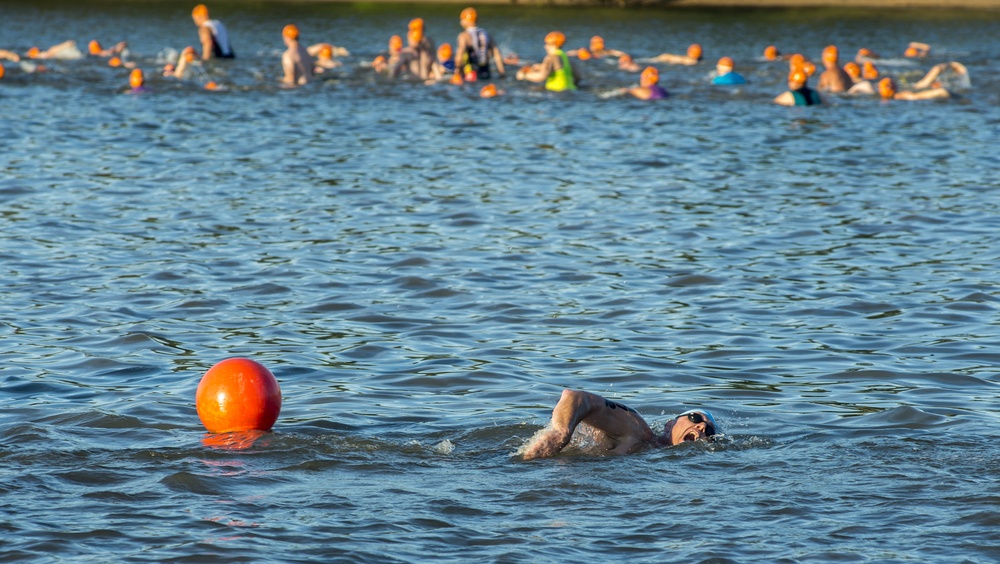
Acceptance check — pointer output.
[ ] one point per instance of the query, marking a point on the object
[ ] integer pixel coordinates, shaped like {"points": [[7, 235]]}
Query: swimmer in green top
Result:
{"points": [[612, 427], [555, 70]]}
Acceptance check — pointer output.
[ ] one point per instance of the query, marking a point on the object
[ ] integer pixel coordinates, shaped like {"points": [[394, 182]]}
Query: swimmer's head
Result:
{"points": [[694, 51], [693, 425], [456, 79], [211, 85], [725, 65], [416, 23], [556, 39], [796, 61], [415, 36], [445, 52], [395, 43], [114, 62], [3, 71], [199, 13], [34, 52], [188, 54], [911, 51], [488, 91], [584, 54], [864, 52], [830, 54], [886, 88], [597, 43], [326, 51], [771, 53], [809, 68], [649, 77], [469, 16], [797, 79], [136, 79], [868, 71], [291, 31], [379, 63], [94, 48], [624, 60], [853, 70]]}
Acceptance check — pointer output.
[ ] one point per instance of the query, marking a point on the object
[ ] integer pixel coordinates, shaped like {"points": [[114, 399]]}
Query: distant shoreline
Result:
{"points": [[781, 4]]}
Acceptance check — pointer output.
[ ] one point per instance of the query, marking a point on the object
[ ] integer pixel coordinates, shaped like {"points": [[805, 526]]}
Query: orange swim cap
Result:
{"points": [[211, 85], [290, 31], [136, 79], [694, 51], [445, 52], [830, 54], [853, 70], [597, 43], [188, 54], [456, 78], [488, 91], [416, 23], [869, 72], [886, 87], [34, 52], [415, 35], [796, 61], [469, 15], [863, 52], [3, 71], [114, 62], [771, 52], [200, 11], [809, 68], [584, 54], [911, 51], [625, 59], [797, 77], [326, 52], [649, 77], [395, 43], [555, 38], [94, 47], [725, 62]]}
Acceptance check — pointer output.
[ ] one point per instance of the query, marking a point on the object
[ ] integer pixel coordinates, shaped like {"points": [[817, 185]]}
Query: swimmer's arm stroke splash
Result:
{"points": [[622, 425]]}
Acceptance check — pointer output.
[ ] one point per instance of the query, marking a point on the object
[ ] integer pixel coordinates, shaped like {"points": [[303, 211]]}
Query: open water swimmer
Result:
{"points": [[213, 35], [614, 428]]}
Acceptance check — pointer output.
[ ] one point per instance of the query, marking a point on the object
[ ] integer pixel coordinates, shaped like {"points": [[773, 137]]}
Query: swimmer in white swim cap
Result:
{"points": [[613, 428]]}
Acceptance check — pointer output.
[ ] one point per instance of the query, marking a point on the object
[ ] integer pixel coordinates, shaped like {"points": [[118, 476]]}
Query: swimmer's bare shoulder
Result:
{"points": [[622, 429]]}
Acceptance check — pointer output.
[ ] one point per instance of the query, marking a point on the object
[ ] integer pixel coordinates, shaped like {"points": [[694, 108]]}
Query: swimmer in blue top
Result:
{"points": [[725, 74], [612, 427]]}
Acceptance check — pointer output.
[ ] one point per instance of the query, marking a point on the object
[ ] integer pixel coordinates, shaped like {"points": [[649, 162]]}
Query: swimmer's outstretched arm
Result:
{"points": [[620, 423], [10, 55]]}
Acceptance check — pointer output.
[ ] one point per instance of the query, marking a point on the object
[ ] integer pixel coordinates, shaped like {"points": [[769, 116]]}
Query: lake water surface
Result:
{"points": [[424, 271]]}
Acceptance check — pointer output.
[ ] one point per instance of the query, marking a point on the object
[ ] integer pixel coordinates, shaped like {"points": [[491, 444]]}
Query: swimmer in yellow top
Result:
{"points": [[833, 79], [693, 56], [555, 70], [888, 91], [295, 61], [612, 428], [213, 35]]}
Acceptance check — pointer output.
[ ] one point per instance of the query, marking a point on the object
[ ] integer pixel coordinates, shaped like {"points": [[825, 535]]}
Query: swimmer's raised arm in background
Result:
{"points": [[10, 56], [693, 56], [928, 79]]}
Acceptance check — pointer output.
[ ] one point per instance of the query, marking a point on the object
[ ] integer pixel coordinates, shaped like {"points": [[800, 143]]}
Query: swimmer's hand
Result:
{"points": [[546, 444]]}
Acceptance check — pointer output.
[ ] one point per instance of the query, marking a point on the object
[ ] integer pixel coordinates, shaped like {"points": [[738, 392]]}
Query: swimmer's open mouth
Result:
{"points": [[690, 437]]}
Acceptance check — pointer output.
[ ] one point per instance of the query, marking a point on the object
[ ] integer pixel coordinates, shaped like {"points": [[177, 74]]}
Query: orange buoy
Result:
{"points": [[238, 394]]}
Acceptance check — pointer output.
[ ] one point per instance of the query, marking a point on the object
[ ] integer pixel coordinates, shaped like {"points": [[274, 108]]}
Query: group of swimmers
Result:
{"points": [[476, 56]]}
